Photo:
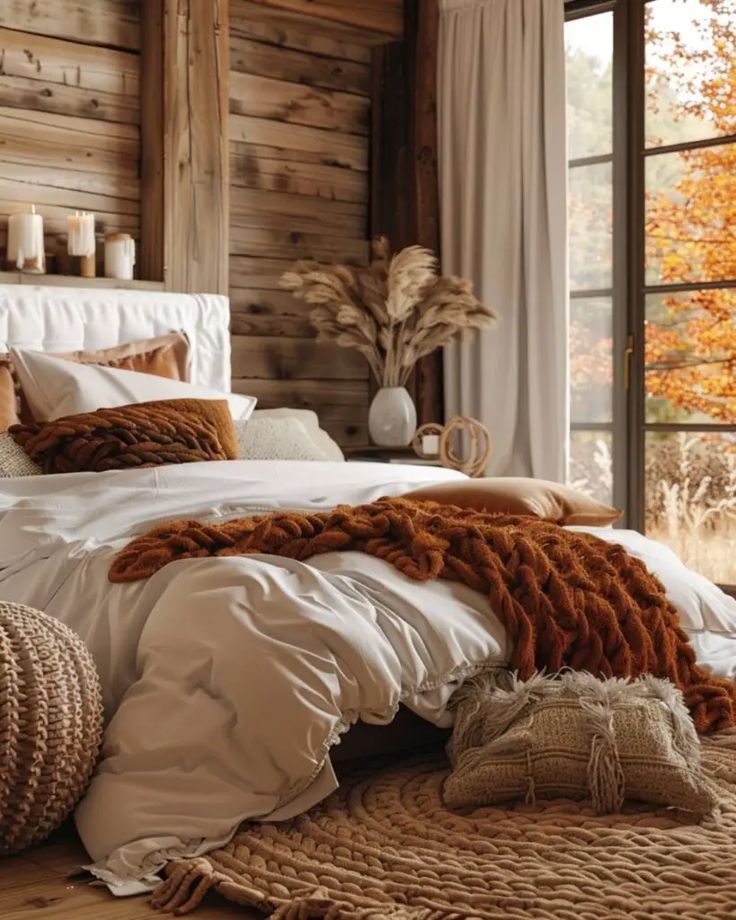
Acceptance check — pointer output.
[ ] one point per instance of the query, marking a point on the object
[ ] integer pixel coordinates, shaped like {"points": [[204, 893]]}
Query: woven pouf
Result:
{"points": [[50, 724]]}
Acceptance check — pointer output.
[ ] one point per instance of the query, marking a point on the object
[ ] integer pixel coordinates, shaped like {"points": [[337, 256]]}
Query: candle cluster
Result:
{"points": [[25, 250]]}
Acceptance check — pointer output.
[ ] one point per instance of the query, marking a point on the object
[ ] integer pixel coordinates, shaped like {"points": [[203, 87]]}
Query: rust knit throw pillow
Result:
{"points": [[145, 434]]}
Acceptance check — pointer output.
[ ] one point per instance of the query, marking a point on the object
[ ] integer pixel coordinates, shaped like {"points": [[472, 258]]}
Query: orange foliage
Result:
{"points": [[690, 346]]}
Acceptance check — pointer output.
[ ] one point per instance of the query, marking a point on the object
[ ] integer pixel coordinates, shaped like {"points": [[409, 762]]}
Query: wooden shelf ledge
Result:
{"points": [[73, 281]]}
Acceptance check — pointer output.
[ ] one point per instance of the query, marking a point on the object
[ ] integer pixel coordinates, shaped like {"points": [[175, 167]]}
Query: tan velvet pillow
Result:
{"points": [[163, 356], [8, 397], [551, 501], [145, 434]]}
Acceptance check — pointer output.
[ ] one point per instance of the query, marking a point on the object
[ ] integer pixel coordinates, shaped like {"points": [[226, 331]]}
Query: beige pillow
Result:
{"points": [[576, 737], [551, 501]]}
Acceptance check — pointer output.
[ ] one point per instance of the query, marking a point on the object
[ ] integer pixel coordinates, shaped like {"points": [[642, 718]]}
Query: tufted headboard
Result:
{"points": [[66, 319]]}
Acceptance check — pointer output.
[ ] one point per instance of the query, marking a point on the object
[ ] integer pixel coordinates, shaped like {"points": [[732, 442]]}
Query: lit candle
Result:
{"points": [[81, 234], [81, 241], [25, 241]]}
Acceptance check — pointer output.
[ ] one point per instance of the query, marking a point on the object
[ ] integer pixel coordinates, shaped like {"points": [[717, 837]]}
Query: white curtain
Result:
{"points": [[503, 177]]}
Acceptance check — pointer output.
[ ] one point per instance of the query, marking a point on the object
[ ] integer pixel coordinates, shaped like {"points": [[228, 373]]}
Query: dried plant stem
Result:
{"points": [[393, 312]]}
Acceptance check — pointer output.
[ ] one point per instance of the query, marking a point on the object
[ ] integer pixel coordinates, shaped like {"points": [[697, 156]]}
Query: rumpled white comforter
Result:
{"points": [[227, 680]]}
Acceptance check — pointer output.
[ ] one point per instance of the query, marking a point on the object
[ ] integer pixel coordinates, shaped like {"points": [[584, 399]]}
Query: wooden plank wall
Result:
{"points": [[299, 160], [70, 111]]}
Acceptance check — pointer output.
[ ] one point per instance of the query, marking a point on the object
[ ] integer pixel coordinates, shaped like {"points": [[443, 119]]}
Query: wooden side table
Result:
{"points": [[371, 453]]}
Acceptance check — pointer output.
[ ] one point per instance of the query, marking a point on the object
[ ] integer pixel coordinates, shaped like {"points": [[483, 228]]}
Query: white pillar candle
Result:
{"points": [[119, 256], [25, 241], [81, 240], [430, 445]]}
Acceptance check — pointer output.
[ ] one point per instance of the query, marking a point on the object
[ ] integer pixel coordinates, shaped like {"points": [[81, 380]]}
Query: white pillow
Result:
{"points": [[275, 439], [55, 387], [310, 421], [14, 461]]}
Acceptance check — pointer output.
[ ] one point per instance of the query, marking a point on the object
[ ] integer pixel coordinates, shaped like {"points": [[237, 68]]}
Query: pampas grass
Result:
{"points": [[394, 312]]}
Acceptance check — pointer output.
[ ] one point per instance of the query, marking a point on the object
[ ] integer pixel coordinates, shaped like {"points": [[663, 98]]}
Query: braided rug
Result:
{"points": [[564, 598], [384, 847]]}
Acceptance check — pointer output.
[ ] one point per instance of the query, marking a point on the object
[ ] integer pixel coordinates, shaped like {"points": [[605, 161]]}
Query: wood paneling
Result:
{"points": [[70, 113], [95, 22], [290, 103], [383, 17], [274, 27], [299, 156], [333, 148], [282, 63], [195, 59]]}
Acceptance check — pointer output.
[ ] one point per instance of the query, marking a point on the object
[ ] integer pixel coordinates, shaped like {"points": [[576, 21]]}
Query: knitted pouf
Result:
{"points": [[50, 724]]}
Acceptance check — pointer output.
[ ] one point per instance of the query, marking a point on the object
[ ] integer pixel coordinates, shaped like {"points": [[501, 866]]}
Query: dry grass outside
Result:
{"points": [[711, 553], [690, 484]]}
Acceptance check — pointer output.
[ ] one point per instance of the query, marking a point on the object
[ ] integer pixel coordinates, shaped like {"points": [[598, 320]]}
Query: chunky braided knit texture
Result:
{"points": [[385, 846], [565, 599], [145, 434], [50, 724]]}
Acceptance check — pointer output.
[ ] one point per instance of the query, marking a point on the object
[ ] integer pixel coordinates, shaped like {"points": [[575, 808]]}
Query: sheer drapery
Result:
{"points": [[503, 175]]}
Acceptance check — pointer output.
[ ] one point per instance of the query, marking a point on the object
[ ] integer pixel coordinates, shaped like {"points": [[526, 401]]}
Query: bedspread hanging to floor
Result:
{"points": [[565, 598]]}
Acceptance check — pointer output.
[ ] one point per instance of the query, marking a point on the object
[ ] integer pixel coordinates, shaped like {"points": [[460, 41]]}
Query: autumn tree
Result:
{"points": [[690, 348]]}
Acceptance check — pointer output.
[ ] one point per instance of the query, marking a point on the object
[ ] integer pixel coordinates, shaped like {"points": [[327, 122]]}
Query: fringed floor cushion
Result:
{"points": [[384, 846]]}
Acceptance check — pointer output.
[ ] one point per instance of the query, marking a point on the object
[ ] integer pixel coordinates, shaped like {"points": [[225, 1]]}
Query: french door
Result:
{"points": [[652, 190]]}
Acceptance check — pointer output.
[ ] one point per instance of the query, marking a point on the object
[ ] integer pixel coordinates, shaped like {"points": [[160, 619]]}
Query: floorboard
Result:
{"points": [[36, 885]]}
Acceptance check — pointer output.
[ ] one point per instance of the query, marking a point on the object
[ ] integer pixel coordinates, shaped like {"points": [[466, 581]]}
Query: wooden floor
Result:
{"points": [[36, 886]]}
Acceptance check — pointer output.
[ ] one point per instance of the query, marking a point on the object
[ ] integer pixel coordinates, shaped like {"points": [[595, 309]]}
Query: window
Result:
{"points": [[652, 139], [589, 63]]}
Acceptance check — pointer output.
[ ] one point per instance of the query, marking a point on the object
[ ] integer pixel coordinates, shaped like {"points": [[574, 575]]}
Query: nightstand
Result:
{"points": [[370, 453]]}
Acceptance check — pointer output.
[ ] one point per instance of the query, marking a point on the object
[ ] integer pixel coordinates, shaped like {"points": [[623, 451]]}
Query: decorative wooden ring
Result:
{"points": [[478, 439]]}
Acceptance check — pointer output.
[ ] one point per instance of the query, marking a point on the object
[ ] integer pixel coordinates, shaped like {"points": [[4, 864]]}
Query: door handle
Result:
{"points": [[627, 358]]}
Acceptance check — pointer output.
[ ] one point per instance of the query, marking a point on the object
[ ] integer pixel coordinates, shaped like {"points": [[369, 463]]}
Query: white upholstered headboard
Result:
{"points": [[66, 319]]}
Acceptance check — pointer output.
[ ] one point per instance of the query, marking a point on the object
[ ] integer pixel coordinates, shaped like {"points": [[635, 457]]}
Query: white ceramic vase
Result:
{"points": [[392, 419]]}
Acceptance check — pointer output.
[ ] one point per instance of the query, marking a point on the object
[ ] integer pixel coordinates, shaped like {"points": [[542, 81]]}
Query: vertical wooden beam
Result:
{"points": [[422, 24], [150, 259], [195, 143], [404, 192]]}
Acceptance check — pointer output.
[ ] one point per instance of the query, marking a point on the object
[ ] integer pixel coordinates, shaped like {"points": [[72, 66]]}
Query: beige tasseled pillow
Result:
{"points": [[576, 737]]}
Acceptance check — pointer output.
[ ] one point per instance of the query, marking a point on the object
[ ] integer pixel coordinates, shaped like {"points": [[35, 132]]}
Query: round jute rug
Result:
{"points": [[384, 846]]}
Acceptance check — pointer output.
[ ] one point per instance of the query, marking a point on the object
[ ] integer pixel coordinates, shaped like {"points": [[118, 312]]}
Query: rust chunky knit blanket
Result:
{"points": [[564, 598]]}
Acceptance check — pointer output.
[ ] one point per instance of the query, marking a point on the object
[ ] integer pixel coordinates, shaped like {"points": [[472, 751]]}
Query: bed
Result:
{"points": [[228, 681]]}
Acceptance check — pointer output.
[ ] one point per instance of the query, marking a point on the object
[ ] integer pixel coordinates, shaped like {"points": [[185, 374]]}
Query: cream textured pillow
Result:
{"points": [[275, 439], [329, 447], [576, 737], [14, 461]]}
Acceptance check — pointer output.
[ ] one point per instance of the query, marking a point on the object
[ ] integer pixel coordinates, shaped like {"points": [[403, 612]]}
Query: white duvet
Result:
{"points": [[227, 680]]}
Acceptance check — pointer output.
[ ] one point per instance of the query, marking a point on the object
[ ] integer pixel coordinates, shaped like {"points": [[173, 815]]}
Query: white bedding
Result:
{"points": [[227, 680]]}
